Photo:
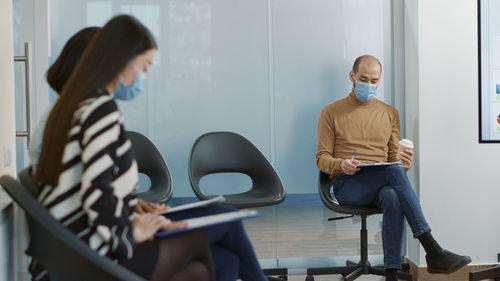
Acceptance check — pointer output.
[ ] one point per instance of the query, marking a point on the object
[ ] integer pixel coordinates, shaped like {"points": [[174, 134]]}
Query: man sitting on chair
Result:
{"points": [[370, 127]]}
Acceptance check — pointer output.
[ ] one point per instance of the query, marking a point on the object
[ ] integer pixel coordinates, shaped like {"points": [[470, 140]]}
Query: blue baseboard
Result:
{"points": [[291, 200]]}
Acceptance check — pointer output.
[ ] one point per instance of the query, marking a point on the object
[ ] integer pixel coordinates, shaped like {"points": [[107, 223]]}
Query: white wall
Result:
{"points": [[458, 177], [7, 135], [7, 129], [412, 105]]}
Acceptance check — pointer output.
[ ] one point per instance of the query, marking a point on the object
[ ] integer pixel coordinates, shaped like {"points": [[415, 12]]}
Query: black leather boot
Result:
{"points": [[445, 262]]}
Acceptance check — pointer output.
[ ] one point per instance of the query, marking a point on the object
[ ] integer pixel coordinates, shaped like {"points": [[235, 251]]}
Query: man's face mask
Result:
{"points": [[364, 91]]}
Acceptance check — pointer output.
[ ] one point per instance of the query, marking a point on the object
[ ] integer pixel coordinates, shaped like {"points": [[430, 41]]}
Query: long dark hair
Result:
{"points": [[59, 72], [111, 49]]}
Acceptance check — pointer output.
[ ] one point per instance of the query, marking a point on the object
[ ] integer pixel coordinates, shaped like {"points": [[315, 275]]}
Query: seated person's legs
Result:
{"points": [[397, 178], [183, 257], [438, 260], [193, 271], [392, 230], [392, 226], [361, 188], [231, 236], [226, 263]]}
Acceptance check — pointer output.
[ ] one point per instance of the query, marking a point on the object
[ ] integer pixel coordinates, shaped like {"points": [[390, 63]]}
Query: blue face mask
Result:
{"points": [[124, 92], [364, 91]]}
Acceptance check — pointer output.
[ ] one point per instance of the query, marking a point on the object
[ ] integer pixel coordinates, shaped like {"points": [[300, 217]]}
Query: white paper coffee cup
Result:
{"points": [[404, 144]]}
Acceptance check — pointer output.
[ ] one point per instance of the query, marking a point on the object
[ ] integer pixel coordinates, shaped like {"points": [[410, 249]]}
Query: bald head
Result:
{"points": [[366, 69], [368, 61]]}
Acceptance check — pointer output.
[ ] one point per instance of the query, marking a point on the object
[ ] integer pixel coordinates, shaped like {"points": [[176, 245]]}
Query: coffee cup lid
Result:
{"points": [[406, 143]]}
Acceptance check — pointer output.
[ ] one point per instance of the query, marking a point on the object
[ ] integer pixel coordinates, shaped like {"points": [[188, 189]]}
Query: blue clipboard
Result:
{"points": [[380, 165], [200, 222]]}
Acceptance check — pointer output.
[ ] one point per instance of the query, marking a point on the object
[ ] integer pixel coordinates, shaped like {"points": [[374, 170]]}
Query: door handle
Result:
{"points": [[26, 59]]}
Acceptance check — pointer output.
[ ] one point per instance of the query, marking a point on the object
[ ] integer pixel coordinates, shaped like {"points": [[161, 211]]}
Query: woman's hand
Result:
{"points": [[143, 207], [146, 225]]}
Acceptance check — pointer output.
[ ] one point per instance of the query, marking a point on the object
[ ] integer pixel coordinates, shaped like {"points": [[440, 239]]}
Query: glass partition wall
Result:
{"points": [[263, 69]]}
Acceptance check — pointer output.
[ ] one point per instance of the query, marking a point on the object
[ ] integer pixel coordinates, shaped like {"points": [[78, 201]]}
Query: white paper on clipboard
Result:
{"points": [[211, 220], [379, 165], [217, 199]]}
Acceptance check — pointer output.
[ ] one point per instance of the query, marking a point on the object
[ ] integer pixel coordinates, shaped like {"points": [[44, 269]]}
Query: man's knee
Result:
{"points": [[388, 198], [395, 169]]}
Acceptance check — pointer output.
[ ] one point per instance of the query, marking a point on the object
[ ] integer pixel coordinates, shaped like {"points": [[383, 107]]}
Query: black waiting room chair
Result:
{"points": [[151, 163], [227, 152], [352, 270], [58, 250], [26, 179]]}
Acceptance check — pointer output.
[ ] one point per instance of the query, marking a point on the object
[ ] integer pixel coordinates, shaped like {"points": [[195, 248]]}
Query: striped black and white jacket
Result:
{"points": [[94, 196]]}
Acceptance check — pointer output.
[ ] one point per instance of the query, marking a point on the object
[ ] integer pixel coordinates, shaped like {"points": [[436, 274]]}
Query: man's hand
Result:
{"points": [[348, 167], [143, 207], [406, 157]]}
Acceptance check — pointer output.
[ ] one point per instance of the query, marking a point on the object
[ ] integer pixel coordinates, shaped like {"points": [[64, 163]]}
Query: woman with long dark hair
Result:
{"points": [[88, 171], [57, 75]]}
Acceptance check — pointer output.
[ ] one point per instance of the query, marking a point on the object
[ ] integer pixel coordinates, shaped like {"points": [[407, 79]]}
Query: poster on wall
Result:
{"points": [[497, 125], [489, 71]]}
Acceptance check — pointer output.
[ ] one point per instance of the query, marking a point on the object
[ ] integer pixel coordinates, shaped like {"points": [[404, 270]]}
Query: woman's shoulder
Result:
{"points": [[99, 104]]}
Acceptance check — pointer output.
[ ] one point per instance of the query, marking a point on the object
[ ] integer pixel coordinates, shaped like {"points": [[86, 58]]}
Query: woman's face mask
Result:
{"points": [[124, 92], [364, 91]]}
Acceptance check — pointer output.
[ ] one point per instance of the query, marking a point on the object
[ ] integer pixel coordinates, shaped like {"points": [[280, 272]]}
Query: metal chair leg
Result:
{"points": [[355, 274]]}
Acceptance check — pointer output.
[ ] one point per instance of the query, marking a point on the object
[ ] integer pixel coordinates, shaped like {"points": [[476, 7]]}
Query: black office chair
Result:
{"points": [[57, 249], [352, 270], [151, 163], [222, 152]]}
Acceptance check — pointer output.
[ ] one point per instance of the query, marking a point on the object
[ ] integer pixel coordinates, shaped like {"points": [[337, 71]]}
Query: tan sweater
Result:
{"points": [[370, 128]]}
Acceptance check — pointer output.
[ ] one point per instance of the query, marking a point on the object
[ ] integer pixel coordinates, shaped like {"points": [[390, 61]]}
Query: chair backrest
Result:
{"points": [[151, 163], [325, 190], [221, 152], [26, 178], [56, 248], [329, 200]]}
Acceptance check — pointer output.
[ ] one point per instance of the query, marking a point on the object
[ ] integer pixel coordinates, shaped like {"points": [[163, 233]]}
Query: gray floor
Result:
{"points": [[305, 232]]}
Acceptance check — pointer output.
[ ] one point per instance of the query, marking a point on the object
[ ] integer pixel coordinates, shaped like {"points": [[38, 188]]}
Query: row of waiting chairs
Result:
{"points": [[216, 152]]}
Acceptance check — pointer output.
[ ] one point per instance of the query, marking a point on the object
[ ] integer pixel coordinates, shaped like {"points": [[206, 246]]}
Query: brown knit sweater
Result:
{"points": [[370, 128]]}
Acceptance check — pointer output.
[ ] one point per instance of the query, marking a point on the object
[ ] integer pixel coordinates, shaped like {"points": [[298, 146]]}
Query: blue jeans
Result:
{"points": [[232, 251], [389, 189]]}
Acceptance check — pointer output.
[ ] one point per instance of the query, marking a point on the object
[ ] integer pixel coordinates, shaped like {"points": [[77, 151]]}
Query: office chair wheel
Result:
{"points": [[309, 278]]}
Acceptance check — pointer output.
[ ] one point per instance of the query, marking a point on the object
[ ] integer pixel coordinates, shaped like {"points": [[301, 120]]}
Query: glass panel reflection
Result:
{"points": [[235, 65]]}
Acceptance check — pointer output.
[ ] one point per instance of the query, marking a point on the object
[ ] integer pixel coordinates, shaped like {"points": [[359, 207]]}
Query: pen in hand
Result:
{"points": [[353, 153]]}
